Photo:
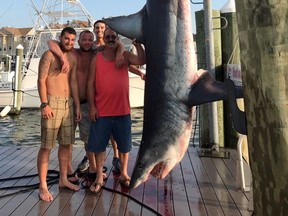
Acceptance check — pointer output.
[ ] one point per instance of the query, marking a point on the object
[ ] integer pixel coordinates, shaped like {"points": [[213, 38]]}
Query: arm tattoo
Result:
{"points": [[44, 64]]}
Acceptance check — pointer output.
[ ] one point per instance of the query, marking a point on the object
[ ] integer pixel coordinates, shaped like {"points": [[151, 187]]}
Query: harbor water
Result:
{"points": [[24, 129]]}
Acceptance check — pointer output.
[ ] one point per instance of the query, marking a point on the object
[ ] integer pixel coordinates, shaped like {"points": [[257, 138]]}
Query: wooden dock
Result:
{"points": [[197, 186]]}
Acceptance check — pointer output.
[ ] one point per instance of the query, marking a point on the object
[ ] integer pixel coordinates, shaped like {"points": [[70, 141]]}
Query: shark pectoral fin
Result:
{"points": [[205, 90], [238, 116], [128, 26]]}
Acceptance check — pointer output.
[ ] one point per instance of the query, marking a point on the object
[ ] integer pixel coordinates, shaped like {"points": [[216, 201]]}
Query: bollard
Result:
{"points": [[8, 63], [17, 94]]}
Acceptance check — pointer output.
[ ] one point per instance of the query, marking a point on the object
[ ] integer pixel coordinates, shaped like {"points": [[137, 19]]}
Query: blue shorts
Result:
{"points": [[101, 130]]}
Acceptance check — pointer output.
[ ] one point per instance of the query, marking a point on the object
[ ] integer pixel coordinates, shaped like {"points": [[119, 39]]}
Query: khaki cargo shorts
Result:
{"points": [[61, 126]]}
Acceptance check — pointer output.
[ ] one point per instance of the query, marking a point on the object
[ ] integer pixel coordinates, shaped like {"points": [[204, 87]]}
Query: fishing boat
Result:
{"points": [[50, 20]]}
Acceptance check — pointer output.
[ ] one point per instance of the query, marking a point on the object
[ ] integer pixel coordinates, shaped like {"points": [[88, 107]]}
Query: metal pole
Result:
{"points": [[210, 59]]}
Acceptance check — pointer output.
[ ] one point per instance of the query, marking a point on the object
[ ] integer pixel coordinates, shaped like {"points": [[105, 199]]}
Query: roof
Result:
{"points": [[15, 31]]}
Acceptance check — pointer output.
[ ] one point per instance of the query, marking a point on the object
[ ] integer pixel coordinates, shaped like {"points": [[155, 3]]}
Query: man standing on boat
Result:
{"points": [[58, 91]]}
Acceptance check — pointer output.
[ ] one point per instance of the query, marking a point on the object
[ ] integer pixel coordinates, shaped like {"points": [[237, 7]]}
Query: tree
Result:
{"points": [[263, 35]]}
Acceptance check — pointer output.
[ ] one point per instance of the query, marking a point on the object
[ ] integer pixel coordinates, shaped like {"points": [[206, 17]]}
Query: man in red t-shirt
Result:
{"points": [[108, 99]]}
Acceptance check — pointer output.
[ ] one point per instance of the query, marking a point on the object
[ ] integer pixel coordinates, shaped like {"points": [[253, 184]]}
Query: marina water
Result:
{"points": [[24, 129]]}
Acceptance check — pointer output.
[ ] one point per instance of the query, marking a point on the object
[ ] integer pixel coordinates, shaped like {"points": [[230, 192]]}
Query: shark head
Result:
{"points": [[157, 163], [160, 154]]}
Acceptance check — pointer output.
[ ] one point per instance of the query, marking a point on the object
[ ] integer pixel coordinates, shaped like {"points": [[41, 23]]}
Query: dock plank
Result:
{"points": [[195, 199], [150, 196], [226, 202], [181, 206], [238, 197], [208, 194], [165, 197]]}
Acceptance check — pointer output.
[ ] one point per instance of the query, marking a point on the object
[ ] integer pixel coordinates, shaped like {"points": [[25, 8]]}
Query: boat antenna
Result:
{"points": [[6, 10]]}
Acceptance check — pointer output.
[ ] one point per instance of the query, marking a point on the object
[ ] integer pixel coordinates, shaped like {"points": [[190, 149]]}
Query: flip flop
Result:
{"points": [[96, 187], [73, 178], [90, 178]]}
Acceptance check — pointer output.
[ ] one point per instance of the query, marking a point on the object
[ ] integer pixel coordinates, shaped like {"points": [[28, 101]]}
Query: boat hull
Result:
{"points": [[30, 97]]}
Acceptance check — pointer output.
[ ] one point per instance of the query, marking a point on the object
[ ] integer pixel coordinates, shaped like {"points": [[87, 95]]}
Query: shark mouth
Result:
{"points": [[161, 170]]}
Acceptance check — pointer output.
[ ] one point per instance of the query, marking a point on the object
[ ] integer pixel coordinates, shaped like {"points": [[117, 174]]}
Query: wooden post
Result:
{"points": [[263, 30], [231, 56], [8, 63]]}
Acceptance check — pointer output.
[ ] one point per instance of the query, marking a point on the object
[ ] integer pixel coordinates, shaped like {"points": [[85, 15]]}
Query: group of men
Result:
{"points": [[90, 86]]}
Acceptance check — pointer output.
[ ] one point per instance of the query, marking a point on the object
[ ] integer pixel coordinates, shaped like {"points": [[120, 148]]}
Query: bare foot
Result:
{"points": [[124, 180], [69, 185], [73, 178], [45, 195]]}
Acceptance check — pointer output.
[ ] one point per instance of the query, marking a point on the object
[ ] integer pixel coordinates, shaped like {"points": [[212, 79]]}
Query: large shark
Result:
{"points": [[173, 83]]}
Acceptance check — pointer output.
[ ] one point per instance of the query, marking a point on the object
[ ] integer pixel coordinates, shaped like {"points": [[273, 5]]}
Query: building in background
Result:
{"points": [[10, 38]]}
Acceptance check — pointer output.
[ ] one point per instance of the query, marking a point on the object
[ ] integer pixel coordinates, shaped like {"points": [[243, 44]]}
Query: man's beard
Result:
{"points": [[64, 49], [85, 50], [111, 42]]}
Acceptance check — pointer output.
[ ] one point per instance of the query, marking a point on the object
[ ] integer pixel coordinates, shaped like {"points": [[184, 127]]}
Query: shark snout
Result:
{"points": [[142, 173]]}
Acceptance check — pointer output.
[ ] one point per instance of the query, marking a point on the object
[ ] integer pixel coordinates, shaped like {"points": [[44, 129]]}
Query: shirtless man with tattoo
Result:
{"points": [[58, 91]]}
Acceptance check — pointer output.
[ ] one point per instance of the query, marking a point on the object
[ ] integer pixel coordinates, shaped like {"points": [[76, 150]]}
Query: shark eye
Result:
{"points": [[140, 165]]}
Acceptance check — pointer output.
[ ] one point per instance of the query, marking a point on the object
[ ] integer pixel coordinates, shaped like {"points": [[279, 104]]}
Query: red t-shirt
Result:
{"points": [[111, 88]]}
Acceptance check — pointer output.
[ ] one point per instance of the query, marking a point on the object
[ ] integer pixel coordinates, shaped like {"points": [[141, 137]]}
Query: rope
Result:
{"points": [[132, 198], [233, 52], [24, 93], [52, 178]]}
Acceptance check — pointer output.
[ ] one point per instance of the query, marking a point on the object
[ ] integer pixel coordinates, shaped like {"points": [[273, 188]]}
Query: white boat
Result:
{"points": [[48, 17], [30, 97]]}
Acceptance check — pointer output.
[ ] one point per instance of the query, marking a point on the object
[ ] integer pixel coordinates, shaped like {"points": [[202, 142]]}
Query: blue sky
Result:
{"points": [[19, 13]]}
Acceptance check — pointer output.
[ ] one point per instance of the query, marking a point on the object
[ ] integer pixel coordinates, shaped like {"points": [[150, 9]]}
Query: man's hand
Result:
{"points": [[93, 114], [65, 65], [78, 115], [143, 76], [47, 112], [135, 42]]}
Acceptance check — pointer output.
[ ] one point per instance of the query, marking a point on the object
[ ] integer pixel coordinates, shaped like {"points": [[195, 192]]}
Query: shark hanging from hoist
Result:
{"points": [[173, 84]]}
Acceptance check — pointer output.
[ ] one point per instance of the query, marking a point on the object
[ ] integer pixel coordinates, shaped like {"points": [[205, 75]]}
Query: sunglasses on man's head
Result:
{"points": [[110, 37]]}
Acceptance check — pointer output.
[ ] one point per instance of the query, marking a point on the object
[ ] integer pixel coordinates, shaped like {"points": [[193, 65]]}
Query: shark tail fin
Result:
{"points": [[129, 26]]}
